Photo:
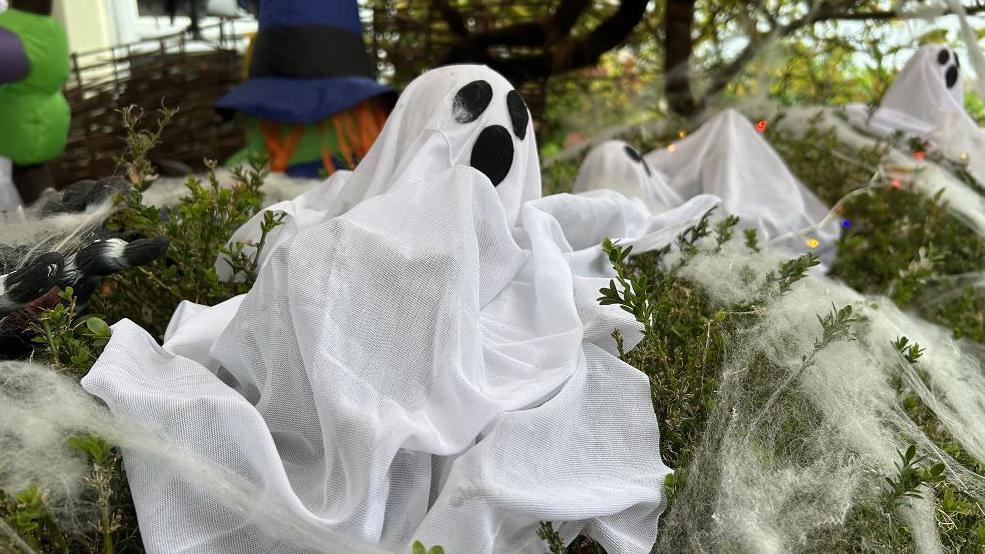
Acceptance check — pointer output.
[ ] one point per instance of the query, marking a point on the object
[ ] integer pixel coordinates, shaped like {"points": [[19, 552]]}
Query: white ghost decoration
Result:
{"points": [[926, 100], [617, 166], [728, 158], [429, 363], [484, 113], [927, 95]]}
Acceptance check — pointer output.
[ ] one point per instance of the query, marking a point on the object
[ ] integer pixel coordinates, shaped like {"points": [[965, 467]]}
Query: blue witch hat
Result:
{"points": [[309, 62]]}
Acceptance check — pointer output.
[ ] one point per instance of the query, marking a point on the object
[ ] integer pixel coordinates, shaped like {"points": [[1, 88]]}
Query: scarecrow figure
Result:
{"points": [[310, 98], [34, 115]]}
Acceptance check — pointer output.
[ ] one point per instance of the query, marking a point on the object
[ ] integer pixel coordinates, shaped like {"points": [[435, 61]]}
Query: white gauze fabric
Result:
{"points": [[308, 209], [727, 158], [431, 364], [617, 166], [926, 100], [930, 88], [10, 200]]}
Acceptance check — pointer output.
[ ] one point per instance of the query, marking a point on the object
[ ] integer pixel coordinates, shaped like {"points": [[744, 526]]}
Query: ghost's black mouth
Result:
{"points": [[492, 153]]}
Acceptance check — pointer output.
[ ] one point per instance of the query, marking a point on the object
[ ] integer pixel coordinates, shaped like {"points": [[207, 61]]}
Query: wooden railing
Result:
{"points": [[173, 70]]}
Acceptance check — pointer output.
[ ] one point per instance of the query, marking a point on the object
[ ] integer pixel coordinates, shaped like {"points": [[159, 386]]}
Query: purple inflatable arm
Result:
{"points": [[14, 64]]}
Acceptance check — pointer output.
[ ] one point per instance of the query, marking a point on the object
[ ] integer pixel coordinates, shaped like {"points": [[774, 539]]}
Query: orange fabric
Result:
{"points": [[344, 151], [326, 152], [355, 129], [280, 151]]}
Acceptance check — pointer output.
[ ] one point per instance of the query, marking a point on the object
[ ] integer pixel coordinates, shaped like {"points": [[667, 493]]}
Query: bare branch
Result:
{"points": [[567, 15], [556, 50], [454, 19]]}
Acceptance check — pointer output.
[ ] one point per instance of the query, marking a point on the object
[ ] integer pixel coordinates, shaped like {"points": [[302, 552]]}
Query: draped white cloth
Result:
{"points": [[726, 157], [927, 95], [615, 165], [423, 357], [308, 209], [926, 100]]}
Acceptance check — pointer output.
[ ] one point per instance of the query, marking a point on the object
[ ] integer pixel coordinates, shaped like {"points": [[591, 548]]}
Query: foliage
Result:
{"points": [[911, 476], [71, 343], [109, 526], [140, 141], [66, 340], [911, 352], [419, 548], [198, 227], [897, 240], [548, 534], [684, 353]]}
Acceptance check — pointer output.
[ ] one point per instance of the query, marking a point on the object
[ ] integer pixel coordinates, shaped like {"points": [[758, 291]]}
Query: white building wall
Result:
{"points": [[100, 24], [87, 23]]}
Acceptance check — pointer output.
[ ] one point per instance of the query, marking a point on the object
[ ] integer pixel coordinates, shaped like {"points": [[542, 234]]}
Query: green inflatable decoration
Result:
{"points": [[34, 115]]}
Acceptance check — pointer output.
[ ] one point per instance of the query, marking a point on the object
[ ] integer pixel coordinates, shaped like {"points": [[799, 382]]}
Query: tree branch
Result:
{"points": [[567, 15], [610, 33], [723, 75], [454, 19], [559, 51], [678, 44]]}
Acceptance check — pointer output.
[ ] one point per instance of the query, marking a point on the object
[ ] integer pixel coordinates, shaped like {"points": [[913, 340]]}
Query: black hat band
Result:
{"points": [[309, 52]]}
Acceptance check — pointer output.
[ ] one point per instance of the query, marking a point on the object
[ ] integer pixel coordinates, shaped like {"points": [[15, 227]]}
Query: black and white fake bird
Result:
{"points": [[22, 286], [101, 258]]}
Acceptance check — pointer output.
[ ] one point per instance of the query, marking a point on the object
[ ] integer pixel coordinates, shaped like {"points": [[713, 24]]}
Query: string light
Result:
{"points": [[813, 243], [964, 156], [846, 224], [920, 155], [897, 184], [682, 133], [672, 147], [761, 125]]}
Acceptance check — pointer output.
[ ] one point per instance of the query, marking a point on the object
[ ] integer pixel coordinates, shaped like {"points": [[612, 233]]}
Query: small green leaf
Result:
{"points": [[98, 327], [910, 452]]}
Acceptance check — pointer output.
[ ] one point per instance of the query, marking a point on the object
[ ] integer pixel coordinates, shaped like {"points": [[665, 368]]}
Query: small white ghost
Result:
{"points": [[617, 166], [927, 97], [728, 158]]}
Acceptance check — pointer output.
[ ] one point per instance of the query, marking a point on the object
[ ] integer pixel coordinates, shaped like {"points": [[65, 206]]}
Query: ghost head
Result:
{"points": [[929, 87], [618, 166], [457, 115]]}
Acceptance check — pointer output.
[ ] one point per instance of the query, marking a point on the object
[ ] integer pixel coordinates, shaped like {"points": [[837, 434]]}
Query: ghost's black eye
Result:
{"points": [[951, 76], [943, 56], [492, 153], [635, 156], [519, 116], [471, 100]]}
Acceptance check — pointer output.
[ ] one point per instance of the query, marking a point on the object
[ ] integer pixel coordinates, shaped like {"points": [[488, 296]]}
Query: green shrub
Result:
{"points": [[896, 239]]}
